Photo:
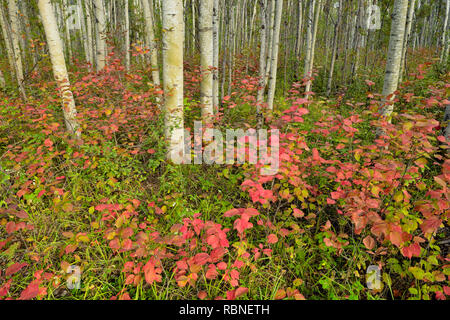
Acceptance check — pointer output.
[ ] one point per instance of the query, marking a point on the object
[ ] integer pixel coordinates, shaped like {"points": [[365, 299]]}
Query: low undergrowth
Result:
{"points": [[111, 212]]}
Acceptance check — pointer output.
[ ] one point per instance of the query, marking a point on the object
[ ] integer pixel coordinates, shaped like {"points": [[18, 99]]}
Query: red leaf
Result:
{"points": [[369, 242], [10, 227], [151, 273], [48, 143], [240, 292], [272, 239], [201, 258], [14, 268], [20, 214], [31, 291], [412, 250], [430, 225], [211, 273], [231, 213]]}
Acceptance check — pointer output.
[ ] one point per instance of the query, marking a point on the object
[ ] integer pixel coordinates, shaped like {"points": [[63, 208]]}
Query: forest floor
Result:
{"points": [[111, 214]]}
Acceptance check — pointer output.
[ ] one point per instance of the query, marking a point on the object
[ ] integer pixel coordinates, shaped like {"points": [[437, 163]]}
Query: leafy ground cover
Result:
{"points": [[140, 228]]}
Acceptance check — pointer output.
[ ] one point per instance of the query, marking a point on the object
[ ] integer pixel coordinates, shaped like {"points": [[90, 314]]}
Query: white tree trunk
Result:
{"points": [[173, 43], [409, 19], [89, 42], [206, 59], [394, 55], [309, 39], [13, 15], [127, 37], [151, 42], [8, 43], [446, 35], [100, 35], [262, 62], [59, 65], [269, 38], [216, 56], [317, 11], [274, 56]]}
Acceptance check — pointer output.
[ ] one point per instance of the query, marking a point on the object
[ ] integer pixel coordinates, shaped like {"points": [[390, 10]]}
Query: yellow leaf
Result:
{"points": [[398, 197]]}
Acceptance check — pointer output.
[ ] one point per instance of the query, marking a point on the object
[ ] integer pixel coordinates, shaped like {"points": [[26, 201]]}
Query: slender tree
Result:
{"points": [[446, 34], [100, 35], [59, 65], [206, 58], [173, 25], [274, 56], [409, 19], [127, 35], [262, 61], [14, 30], [394, 57], [149, 22]]}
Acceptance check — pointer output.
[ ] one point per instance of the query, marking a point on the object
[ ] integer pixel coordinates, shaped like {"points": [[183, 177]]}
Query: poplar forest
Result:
{"points": [[113, 121]]}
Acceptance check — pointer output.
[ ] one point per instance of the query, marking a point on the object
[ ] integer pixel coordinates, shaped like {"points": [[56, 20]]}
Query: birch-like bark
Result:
{"points": [[127, 36], [89, 38], [149, 21], [100, 35], [206, 59], [274, 56], [262, 62], [59, 65], [270, 30], [318, 9], [173, 43], [309, 39], [394, 55], [13, 16], [446, 35], [298, 43], [64, 6], [216, 56], [409, 19], [8, 43]]}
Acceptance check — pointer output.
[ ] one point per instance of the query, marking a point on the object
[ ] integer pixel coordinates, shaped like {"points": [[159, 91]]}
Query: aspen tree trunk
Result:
{"points": [[64, 6], [216, 56], [271, 15], [318, 9], [309, 38], [274, 56], [127, 36], [8, 43], [89, 42], [446, 35], [262, 62], [394, 55], [173, 43], [298, 42], [335, 43], [149, 21], [27, 26], [232, 47], [206, 59], [100, 35], [59, 65], [13, 15], [2, 80], [252, 21], [405, 41]]}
